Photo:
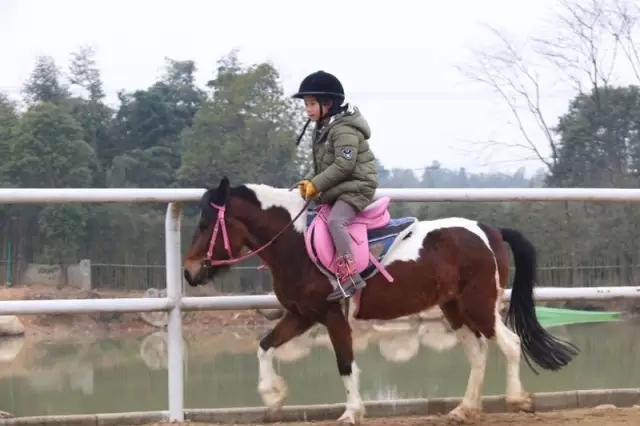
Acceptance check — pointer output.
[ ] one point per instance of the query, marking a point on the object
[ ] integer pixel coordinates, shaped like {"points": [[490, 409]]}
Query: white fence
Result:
{"points": [[174, 303]]}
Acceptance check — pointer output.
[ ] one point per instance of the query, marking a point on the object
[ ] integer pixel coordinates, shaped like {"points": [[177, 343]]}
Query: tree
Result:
{"points": [[8, 121], [89, 109], [179, 86], [581, 43], [402, 178], [242, 124], [148, 125], [151, 168], [623, 23], [48, 150], [504, 69], [246, 130], [599, 144], [85, 73], [45, 83]]}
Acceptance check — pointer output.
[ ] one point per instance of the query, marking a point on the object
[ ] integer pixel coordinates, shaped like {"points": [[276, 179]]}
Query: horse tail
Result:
{"points": [[543, 348]]}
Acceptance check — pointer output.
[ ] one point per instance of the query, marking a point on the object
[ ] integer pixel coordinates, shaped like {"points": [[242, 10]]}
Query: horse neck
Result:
{"points": [[286, 253]]}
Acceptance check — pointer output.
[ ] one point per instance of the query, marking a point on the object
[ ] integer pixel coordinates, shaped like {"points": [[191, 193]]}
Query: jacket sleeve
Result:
{"points": [[345, 146]]}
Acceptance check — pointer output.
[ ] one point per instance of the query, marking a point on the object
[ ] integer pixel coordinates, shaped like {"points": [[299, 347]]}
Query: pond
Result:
{"points": [[221, 370]]}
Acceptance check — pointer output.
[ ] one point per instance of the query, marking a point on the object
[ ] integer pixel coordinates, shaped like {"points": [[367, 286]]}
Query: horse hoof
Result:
{"points": [[522, 403], [350, 417], [273, 393], [461, 415]]}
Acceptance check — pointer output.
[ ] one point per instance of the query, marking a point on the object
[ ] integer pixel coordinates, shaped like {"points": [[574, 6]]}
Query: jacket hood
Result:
{"points": [[354, 118]]}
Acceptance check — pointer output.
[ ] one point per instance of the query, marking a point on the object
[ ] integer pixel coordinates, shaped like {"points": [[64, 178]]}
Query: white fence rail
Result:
{"points": [[177, 195], [174, 303]]}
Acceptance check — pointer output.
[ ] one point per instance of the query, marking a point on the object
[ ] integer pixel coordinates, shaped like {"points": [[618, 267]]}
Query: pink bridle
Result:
{"points": [[221, 224]]}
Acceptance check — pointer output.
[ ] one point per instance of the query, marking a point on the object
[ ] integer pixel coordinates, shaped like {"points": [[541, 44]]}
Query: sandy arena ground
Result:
{"points": [[590, 417]]}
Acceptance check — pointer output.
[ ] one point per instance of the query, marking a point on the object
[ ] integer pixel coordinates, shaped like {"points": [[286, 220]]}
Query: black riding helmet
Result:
{"points": [[322, 86]]}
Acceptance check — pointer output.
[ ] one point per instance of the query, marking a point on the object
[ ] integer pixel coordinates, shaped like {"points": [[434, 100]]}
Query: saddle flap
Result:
{"points": [[358, 232], [320, 243]]}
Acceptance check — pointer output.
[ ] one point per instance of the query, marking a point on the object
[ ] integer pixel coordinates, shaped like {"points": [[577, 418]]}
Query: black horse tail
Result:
{"points": [[543, 348]]}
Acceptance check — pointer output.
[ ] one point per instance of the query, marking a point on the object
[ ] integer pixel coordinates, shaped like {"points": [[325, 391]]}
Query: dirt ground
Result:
{"points": [[591, 417]]}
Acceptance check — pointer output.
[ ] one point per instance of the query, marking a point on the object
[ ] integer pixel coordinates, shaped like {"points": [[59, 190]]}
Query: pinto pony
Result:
{"points": [[458, 264]]}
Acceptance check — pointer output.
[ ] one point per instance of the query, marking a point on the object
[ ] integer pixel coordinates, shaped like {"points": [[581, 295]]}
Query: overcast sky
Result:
{"points": [[395, 59]]}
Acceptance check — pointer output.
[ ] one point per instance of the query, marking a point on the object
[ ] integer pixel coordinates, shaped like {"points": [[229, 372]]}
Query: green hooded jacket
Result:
{"points": [[344, 165]]}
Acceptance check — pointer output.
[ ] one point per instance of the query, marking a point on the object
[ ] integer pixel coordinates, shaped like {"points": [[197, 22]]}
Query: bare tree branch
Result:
{"points": [[623, 20], [583, 43], [594, 32], [505, 72]]}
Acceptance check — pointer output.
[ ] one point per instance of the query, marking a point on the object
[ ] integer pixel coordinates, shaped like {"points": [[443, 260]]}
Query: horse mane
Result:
{"points": [[243, 192], [211, 196], [262, 196]]}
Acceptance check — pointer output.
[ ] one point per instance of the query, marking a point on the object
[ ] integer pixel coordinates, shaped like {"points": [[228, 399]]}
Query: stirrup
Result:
{"points": [[358, 285], [348, 290], [346, 270], [341, 293]]}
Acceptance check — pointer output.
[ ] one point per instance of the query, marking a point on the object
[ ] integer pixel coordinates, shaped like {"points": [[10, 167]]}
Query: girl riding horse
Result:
{"points": [[344, 170]]}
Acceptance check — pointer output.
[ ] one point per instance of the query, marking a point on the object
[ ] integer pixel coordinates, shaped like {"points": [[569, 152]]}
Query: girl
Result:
{"points": [[344, 169]]}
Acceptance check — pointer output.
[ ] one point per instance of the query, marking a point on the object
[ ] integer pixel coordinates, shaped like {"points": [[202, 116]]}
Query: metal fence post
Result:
{"points": [[174, 328]]}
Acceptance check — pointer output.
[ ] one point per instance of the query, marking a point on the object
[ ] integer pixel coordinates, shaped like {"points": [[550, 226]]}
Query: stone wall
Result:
{"points": [[78, 275]]}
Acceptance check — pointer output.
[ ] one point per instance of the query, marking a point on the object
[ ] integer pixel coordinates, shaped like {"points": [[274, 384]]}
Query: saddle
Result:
{"points": [[373, 232]]}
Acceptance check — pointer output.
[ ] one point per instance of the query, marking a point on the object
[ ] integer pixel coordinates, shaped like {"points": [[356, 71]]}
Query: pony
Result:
{"points": [[455, 263]]}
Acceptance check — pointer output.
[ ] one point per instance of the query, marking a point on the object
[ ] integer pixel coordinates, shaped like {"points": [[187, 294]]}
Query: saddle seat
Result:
{"points": [[373, 234]]}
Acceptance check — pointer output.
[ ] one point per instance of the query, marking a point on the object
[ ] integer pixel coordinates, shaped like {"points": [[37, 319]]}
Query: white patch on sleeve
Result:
{"points": [[347, 153]]}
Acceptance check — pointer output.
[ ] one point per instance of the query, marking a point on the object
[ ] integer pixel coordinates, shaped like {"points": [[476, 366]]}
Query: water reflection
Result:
{"points": [[154, 350], [399, 360], [10, 347]]}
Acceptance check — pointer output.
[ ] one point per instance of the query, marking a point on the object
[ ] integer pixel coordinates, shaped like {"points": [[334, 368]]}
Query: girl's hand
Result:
{"points": [[302, 187], [307, 189]]}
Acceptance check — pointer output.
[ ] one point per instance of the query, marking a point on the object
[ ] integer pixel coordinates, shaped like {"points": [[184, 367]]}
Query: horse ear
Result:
{"points": [[224, 190]]}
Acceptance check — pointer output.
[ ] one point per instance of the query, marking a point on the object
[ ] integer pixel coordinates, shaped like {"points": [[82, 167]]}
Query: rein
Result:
{"points": [[221, 224]]}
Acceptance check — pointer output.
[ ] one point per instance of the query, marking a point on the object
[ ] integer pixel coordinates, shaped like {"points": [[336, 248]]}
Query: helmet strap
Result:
{"points": [[304, 130]]}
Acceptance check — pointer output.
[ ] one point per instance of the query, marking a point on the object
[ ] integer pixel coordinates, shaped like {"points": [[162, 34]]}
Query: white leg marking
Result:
{"points": [[509, 344], [354, 411], [272, 388], [477, 351]]}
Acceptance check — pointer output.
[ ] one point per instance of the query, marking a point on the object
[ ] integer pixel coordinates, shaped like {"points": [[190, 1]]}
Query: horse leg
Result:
{"points": [[340, 334], [271, 386], [476, 349], [509, 343]]}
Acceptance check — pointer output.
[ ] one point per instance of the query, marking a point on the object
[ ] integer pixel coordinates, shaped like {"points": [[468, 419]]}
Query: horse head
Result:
{"points": [[231, 218], [217, 239]]}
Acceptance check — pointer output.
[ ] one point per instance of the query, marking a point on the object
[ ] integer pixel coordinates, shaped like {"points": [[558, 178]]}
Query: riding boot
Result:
{"points": [[348, 280]]}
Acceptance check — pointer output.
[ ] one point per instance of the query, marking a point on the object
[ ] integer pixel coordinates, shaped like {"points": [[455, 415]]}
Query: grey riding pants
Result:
{"points": [[341, 214]]}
